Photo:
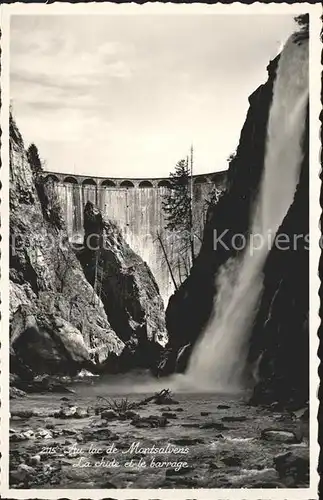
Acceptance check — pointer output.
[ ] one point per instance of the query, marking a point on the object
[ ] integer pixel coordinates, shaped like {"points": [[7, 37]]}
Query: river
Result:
{"points": [[218, 437]]}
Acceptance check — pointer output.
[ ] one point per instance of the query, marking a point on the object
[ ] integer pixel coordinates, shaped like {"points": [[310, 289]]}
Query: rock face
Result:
{"points": [[56, 326], [279, 346], [127, 289], [278, 357]]}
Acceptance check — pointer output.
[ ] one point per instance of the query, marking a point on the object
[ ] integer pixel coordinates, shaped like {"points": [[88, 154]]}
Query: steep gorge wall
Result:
{"points": [[279, 345], [55, 327], [58, 323], [139, 214]]}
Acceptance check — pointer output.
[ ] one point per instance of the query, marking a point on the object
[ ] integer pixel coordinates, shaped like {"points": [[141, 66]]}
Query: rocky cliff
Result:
{"points": [[279, 346], [281, 325], [58, 323], [127, 288]]}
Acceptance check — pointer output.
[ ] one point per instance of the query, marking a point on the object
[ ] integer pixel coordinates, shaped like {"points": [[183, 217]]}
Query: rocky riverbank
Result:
{"points": [[91, 439]]}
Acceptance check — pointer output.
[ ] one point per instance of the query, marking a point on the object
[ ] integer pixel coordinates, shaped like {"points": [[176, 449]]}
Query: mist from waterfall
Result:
{"points": [[219, 357]]}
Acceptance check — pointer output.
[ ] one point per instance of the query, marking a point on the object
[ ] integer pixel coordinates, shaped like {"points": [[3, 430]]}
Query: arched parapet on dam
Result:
{"points": [[134, 182]]}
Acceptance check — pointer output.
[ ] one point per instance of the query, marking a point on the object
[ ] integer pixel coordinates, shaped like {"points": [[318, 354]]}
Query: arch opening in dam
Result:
{"points": [[127, 184], [145, 184], [136, 206], [164, 183], [70, 180], [89, 182], [108, 183]]}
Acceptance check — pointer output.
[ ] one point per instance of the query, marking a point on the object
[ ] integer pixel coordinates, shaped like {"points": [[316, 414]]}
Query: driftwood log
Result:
{"points": [[124, 404]]}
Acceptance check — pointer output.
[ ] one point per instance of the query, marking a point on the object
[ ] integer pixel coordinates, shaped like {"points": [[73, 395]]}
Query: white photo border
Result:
{"points": [[106, 8]]}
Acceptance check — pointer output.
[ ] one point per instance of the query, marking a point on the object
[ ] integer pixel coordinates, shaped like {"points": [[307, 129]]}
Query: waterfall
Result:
{"points": [[219, 357]]}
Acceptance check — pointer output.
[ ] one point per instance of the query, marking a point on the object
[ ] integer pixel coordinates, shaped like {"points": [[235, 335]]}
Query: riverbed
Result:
{"points": [[198, 440]]}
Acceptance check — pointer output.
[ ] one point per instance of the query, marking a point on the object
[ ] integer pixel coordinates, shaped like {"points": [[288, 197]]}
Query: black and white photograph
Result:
{"points": [[160, 322]]}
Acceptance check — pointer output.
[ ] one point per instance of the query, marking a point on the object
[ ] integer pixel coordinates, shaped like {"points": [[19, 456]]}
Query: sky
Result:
{"points": [[127, 95]]}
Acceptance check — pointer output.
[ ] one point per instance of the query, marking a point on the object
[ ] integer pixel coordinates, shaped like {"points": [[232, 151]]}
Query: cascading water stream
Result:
{"points": [[218, 360]]}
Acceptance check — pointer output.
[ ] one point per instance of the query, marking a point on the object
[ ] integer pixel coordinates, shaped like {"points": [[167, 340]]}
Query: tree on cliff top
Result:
{"points": [[303, 22], [34, 160]]}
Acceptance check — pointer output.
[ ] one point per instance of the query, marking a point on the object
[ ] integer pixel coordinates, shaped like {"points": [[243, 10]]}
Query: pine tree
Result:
{"points": [[177, 203], [303, 22], [177, 206], [34, 160]]}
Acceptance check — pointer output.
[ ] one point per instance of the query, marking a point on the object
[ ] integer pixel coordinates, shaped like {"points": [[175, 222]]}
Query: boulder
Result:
{"points": [[29, 434], [23, 472], [181, 471], [150, 422], [187, 441], [232, 461], [213, 425], [233, 419], [191, 425], [130, 414], [23, 414], [302, 415], [71, 412], [34, 460], [81, 413], [44, 434], [100, 434], [165, 399], [45, 383], [280, 436], [266, 478], [293, 467], [169, 415], [48, 343], [109, 415], [17, 436]]}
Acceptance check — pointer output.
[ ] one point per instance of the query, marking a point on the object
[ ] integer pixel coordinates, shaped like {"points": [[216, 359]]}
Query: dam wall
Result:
{"points": [[135, 205]]}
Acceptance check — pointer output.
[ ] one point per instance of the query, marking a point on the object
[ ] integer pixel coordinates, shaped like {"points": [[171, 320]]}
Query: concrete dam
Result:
{"points": [[135, 205]]}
